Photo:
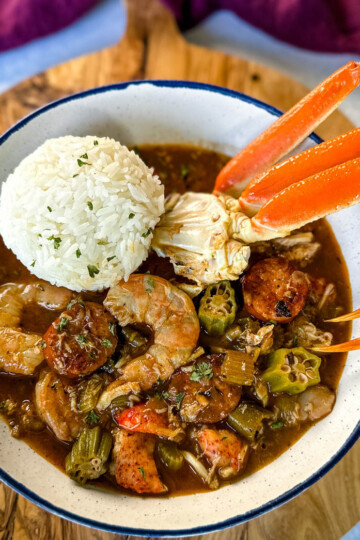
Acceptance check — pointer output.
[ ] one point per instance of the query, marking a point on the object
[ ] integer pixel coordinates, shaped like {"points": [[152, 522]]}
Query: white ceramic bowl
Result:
{"points": [[160, 112]]}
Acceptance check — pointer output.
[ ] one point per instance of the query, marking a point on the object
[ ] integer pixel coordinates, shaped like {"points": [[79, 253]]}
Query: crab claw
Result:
{"points": [[347, 346], [288, 130], [312, 198], [314, 160], [347, 317]]}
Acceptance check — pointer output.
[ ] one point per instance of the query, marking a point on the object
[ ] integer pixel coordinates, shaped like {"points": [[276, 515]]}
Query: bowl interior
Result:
{"points": [[160, 112]]}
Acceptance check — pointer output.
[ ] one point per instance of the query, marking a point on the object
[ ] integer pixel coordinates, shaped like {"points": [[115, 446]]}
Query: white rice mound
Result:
{"points": [[79, 211]]}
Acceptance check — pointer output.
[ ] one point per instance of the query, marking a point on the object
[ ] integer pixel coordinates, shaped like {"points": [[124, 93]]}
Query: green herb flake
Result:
{"points": [[75, 301], [149, 291], [277, 425], [273, 322], [81, 163], [82, 340], [110, 258], [147, 233], [49, 208], [63, 322], [179, 399], [142, 470], [201, 371], [93, 270], [162, 395], [96, 143], [184, 170], [295, 341], [112, 328], [78, 253], [132, 215], [85, 156], [57, 242], [224, 438], [90, 205], [75, 175], [107, 343], [43, 344], [102, 243], [91, 355], [33, 263], [92, 418]]}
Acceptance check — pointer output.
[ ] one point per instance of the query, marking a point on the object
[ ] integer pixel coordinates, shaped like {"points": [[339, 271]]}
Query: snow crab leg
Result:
{"points": [[312, 161], [288, 130]]}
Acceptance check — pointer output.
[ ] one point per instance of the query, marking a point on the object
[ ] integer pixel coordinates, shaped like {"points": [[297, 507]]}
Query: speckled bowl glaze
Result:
{"points": [[160, 112]]}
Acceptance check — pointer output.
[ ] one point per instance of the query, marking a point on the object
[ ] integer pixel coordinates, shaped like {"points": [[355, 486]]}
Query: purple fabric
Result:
{"points": [[24, 20], [319, 25]]}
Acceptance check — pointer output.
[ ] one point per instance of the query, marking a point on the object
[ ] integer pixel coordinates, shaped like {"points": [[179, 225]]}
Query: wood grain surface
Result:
{"points": [[153, 48]]}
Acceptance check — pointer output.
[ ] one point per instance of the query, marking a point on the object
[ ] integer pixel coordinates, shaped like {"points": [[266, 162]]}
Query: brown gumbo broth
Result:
{"points": [[180, 168]]}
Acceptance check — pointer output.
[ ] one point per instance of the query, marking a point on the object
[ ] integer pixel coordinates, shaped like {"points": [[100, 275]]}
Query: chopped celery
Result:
{"points": [[247, 419], [239, 367], [170, 455]]}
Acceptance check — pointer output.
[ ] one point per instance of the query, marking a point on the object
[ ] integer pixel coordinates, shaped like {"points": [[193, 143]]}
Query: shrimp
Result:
{"points": [[135, 466], [224, 450], [21, 351], [54, 406], [169, 311], [80, 340]]}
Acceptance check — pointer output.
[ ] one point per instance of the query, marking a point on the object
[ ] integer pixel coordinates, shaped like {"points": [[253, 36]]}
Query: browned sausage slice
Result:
{"points": [[275, 290], [80, 340]]}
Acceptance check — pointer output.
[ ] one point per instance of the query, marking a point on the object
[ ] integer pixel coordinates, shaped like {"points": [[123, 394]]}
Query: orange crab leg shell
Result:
{"points": [[347, 346], [315, 197], [347, 317], [288, 130], [316, 159]]}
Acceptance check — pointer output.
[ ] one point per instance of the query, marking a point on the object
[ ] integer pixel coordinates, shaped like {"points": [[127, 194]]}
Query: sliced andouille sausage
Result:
{"points": [[274, 290], [80, 340]]}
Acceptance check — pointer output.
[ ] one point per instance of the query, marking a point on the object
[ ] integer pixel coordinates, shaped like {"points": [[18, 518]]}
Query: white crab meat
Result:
{"points": [[198, 233]]}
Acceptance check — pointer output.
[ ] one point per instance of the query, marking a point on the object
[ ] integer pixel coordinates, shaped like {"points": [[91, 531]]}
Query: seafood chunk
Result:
{"points": [[225, 451], [311, 405], [80, 340], [169, 311], [20, 351], [274, 290], [54, 406], [196, 232], [135, 467], [205, 397]]}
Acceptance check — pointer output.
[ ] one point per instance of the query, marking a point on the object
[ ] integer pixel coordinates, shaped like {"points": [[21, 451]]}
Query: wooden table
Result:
{"points": [[153, 48]]}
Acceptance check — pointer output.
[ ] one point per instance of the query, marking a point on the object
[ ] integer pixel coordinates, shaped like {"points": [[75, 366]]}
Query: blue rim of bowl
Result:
{"points": [[237, 520]]}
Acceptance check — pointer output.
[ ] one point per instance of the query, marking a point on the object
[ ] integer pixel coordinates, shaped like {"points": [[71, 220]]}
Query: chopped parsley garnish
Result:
{"points": [[102, 243], [49, 208], [33, 263], [110, 258], [90, 205], [147, 233], [82, 340], [75, 175], [81, 163], [78, 253], [96, 143], [56, 240], [162, 395], [63, 322], [273, 322], [43, 344], [92, 418], [107, 343], [179, 399], [149, 291], [112, 328], [75, 301], [184, 170], [93, 270], [151, 284], [141, 469], [39, 235], [132, 215], [85, 156], [224, 438], [277, 425], [201, 371], [91, 355]]}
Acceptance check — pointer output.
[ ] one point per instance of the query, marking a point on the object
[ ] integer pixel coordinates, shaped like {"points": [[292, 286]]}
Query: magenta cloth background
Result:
{"points": [[320, 25]]}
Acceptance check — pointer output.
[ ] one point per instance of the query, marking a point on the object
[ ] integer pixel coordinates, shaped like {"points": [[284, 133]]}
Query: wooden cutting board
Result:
{"points": [[153, 48]]}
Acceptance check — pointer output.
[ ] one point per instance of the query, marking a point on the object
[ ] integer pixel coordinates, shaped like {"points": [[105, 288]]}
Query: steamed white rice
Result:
{"points": [[79, 211]]}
